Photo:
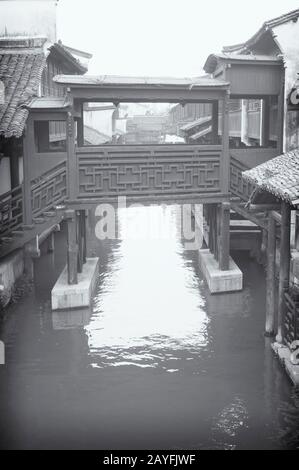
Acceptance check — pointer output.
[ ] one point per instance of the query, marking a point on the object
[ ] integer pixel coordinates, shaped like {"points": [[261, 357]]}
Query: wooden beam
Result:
{"points": [[263, 207], [152, 95], [276, 216], [270, 286], [284, 271], [244, 213]]}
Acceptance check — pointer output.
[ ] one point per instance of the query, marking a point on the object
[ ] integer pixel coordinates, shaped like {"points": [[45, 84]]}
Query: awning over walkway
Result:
{"points": [[278, 176]]}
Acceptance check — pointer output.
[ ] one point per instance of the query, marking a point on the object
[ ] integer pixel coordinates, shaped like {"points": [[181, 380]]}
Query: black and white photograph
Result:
{"points": [[149, 229]]}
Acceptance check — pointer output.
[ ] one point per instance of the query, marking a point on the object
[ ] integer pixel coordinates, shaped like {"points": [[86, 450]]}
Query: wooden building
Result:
{"points": [[275, 185], [27, 68]]}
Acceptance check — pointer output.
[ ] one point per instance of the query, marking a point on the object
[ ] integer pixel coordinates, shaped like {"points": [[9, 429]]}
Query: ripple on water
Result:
{"points": [[153, 317]]}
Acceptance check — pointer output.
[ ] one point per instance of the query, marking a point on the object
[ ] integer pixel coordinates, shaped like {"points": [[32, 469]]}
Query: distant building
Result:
{"points": [[146, 129]]}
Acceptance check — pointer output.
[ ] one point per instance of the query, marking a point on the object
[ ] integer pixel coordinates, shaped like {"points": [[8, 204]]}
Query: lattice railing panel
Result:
{"points": [[11, 211], [152, 171], [49, 190]]}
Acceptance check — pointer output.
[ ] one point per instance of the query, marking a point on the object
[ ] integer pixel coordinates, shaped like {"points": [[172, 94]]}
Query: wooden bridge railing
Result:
{"points": [[46, 192], [149, 171], [239, 187], [49, 190], [11, 211]]}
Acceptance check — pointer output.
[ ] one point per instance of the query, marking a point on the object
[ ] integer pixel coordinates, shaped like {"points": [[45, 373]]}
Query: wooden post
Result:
{"points": [[281, 141], [80, 240], [284, 271], [215, 117], [72, 166], [224, 236], [80, 128], [28, 150], [270, 291], [265, 122], [225, 158], [51, 242], [72, 249], [293, 229], [84, 216], [213, 236], [244, 121]]}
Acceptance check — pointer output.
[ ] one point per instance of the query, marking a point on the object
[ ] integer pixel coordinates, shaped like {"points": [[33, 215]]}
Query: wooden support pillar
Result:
{"points": [[72, 164], [284, 271], [80, 132], [80, 240], [293, 229], [270, 290], [212, 221], [51, 243], [72, 249], [80, 128], [84, 216], [225, 158], [281, 141], [224, 245], [215, 125], [265, 122], [14, 171], [28, 148], [244, 122]]}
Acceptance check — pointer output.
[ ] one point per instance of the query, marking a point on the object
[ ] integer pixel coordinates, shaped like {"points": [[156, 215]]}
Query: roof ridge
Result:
{"points": [[294, 14]]}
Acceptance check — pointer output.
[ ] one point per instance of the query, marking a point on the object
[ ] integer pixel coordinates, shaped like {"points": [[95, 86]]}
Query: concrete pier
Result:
{"points": [[65, 295], [220, 281]]}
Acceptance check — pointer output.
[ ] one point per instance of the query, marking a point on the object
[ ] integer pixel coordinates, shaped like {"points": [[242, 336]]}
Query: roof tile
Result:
{"points": [[21, 75], [279, 176]]}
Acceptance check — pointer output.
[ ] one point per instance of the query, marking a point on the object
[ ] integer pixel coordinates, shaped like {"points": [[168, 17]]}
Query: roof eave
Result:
{"points": [[73, 63]]}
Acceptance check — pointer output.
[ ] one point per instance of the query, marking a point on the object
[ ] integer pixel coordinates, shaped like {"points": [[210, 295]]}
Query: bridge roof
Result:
{"points": [[124, 88], [113, 80]]}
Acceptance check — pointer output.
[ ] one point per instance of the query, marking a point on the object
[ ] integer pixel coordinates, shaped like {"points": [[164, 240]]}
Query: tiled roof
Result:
{"points": [[69, 61], [279, 176], [48, 102], [94, 137], [198, 122], [21, 72], [268, 25]]}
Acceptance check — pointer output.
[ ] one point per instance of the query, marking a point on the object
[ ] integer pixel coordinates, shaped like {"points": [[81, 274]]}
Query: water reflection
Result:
{"points": [[156, 362], [149, 308]]}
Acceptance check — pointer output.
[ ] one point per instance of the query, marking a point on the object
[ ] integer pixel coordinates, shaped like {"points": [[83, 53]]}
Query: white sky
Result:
{"points": [[160, 37]]}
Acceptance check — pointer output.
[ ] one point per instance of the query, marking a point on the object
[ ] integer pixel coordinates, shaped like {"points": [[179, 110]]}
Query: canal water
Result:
{"points": [[155, 363]]}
